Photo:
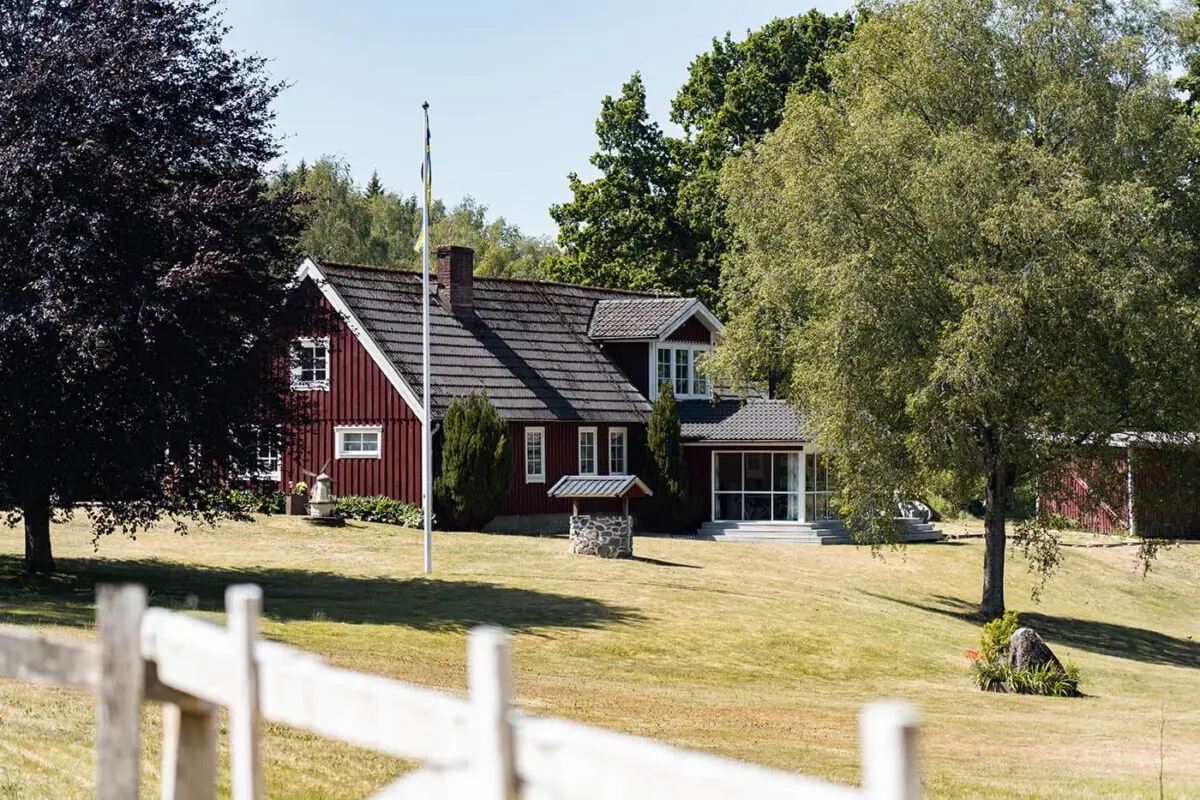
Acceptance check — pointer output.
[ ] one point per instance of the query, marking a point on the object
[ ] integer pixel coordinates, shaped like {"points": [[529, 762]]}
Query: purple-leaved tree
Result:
{"points": [[144, 307]]}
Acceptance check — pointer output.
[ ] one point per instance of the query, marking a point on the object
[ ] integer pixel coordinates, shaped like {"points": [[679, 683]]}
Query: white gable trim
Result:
{"points": [[695, 308], [309, 269]]}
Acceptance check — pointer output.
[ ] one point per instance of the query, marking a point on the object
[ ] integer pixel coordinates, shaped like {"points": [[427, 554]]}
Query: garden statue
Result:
{"points": [[321, 503]]}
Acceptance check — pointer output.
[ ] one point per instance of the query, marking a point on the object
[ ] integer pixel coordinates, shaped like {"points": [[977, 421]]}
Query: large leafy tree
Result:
{"points": [[655, 219], [145, 271], [980, 242]]}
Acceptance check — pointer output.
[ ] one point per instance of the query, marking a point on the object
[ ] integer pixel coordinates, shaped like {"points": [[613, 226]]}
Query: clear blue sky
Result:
{"points": [[514, 86]]}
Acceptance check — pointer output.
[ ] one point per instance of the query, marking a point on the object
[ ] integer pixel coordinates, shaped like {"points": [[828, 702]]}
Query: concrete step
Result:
{"points": [[818, 532]]}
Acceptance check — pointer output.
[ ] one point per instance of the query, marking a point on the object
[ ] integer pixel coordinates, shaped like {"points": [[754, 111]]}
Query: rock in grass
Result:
{"points": [[1027, 651]]}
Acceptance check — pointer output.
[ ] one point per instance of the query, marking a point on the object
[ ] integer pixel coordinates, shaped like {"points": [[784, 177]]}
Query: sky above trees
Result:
{"points": [[514, 90]]}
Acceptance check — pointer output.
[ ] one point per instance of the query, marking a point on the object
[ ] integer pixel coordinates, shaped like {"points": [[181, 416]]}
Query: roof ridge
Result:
{"points": [[637, 294]]}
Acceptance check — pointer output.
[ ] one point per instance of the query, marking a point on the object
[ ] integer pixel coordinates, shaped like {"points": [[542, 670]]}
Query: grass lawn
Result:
{"points": [[760, 652]]}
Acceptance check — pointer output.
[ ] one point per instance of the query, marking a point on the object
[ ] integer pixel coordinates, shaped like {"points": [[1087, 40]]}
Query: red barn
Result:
{"points": [[1146, 484], [573, 369]]}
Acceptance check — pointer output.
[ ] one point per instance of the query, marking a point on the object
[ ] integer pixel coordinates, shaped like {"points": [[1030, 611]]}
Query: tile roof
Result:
{"points": [[526, 345], [635, 317], [750, 420], [599, 486]]}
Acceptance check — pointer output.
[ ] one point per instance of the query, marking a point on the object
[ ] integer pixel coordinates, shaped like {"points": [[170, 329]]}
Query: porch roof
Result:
{"points": [[618, 486], [737, 420]]}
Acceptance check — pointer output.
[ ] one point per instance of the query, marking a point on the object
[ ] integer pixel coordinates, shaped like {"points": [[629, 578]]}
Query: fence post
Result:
{"points": [[889, 755], [243, 604], [119, 691], [489, 678], [189, 757]]}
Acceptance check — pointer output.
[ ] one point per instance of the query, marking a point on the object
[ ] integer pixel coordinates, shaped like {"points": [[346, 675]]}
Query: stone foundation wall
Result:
{"points": [[603, 535]]}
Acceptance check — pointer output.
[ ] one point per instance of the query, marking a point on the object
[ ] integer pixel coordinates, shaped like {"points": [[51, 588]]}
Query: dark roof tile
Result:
{"points": [[750, 420]]}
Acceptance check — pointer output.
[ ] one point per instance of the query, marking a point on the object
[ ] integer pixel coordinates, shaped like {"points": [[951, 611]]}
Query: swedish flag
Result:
{"points": [[427, 180]]}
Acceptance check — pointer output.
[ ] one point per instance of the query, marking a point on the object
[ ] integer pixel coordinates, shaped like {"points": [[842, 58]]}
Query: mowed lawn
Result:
{"points": [[759, 652]]}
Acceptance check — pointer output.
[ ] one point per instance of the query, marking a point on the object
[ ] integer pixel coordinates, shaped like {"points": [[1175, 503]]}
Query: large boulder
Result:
{"points": [[1026, 650]]}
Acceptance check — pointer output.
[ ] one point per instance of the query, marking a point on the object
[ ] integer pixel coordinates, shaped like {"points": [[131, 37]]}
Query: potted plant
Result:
{"points": [[295, 504]]}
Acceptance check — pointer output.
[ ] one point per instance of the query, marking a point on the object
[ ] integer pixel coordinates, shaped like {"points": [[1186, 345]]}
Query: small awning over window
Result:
{"points": [[619, 486]]}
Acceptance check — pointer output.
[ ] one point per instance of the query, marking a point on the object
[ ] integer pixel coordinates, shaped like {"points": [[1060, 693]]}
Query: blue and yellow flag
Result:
{"points": [[427, 180]]}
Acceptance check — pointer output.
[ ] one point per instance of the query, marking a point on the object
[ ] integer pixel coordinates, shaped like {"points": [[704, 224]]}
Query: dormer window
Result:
{"points": [[310, 365], [677, 366]]}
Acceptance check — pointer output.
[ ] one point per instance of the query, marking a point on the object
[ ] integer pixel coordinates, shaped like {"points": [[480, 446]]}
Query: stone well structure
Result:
{"points": [[603, 535]]}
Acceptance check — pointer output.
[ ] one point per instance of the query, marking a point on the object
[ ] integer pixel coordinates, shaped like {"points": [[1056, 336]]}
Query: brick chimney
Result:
{"points": [[455, 268]]}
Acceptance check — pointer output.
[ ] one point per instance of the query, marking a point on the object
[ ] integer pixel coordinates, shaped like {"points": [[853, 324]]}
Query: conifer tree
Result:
{"points": [[477, 462]]}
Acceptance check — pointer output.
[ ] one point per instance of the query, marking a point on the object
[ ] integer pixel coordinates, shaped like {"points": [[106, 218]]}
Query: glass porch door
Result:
{"points": [[756, 486], [819, 486]]}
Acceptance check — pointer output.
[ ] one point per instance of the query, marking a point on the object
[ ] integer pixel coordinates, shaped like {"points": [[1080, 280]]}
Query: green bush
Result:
{"points": [[994, 642], [249, 501], [476, 464], [992, 672], [379, 509]]}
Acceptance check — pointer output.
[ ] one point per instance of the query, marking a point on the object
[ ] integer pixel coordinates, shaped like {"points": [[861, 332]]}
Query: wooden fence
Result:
{"points": [[474, 747]]}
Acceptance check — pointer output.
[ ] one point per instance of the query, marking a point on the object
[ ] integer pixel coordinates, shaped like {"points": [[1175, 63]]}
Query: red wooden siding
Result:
{"points": [[561, 458], [633, 359], [359, 394], [691, 331], [1092, 496]]}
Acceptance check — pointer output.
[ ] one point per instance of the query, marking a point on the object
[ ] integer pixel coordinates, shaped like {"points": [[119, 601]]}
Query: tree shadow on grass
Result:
{"points": [[68, 597], [1104, 638]]}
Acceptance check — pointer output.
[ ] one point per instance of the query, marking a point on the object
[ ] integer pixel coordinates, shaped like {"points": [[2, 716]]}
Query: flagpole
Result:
{"points": [[427, 422]]}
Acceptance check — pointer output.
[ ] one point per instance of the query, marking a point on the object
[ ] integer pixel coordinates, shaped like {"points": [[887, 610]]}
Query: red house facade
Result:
{"points": [[573, 370]]}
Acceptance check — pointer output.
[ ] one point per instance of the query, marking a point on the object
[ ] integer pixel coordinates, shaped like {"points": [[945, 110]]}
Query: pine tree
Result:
{"points": [[667, 510], [374, 186], [477, 462]]}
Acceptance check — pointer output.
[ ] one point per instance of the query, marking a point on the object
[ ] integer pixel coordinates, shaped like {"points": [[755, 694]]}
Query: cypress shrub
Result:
{"points": [[668, 509], [476, 462]]}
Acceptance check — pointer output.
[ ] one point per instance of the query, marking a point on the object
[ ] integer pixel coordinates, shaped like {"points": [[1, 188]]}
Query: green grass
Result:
{"points": [[759, 652]]}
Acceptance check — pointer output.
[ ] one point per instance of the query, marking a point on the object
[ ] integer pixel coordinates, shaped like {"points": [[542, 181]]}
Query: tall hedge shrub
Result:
{"points": [[477, 462], [668, 509]]}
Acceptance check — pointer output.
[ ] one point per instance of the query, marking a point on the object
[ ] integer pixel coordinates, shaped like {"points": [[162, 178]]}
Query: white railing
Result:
{"points": [[477, 747]]}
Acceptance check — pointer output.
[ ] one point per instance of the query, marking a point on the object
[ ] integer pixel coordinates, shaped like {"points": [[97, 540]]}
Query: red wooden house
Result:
{"points": [[573, 369]]}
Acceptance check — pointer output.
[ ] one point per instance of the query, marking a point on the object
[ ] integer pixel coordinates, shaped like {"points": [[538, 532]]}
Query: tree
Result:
{"points": [[376, 226], [667, 509], [986, 227], [655, 218], [476, 462], [145, 271]]}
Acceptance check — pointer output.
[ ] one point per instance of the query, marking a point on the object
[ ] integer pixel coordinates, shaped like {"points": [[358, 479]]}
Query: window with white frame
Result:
{"points": [[266, 456], [677, 365], [358, 441], [617, 438], [664, 368], [310, 364], [535, 455], [587, 451]]}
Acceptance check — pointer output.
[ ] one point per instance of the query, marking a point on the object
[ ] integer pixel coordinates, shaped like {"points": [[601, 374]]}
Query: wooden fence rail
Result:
{"points": [[478, 747]]}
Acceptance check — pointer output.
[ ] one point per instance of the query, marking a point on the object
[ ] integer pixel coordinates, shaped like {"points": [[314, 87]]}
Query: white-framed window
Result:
{"points": [[535, 455], [267, 460], [358, 441], [664, 369], [587, 451], [310, 365], [617, 448], [677, 365]]}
